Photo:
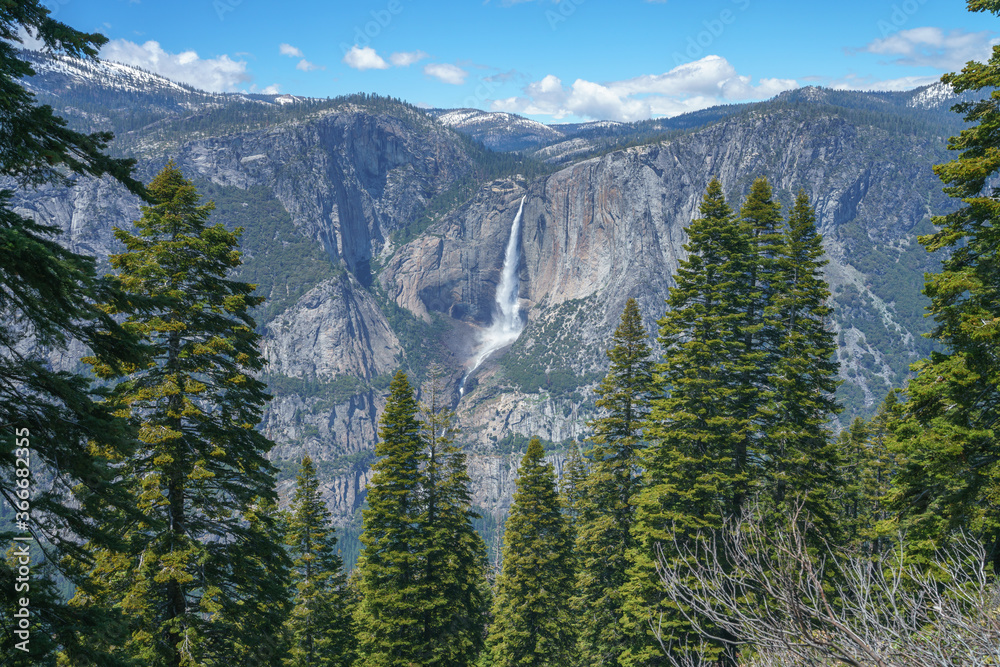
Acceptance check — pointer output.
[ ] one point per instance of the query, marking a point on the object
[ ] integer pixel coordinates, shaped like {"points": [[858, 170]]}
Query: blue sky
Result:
{"points": [[562, 61]]}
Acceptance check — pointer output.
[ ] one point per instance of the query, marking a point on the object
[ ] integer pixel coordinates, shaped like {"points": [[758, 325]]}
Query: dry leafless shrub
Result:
{"points": [[766, 590]]}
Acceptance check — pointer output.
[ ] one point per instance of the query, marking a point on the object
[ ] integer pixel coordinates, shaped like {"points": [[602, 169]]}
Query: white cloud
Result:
{"points": [[853, 82], [712, 76], [294, 52], [446, 73], [220, 74], [307, 66], [363, 58], [273, 89], [689, 87], [407, 58], [933, 47]]}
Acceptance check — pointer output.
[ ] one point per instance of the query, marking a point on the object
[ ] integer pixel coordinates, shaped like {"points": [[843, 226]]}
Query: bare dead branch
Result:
{"points": [[769, 592]]}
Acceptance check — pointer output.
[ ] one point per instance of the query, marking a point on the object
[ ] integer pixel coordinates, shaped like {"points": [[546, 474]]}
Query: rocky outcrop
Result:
{"points": [[348, 177], [335, 329], [308, 425]]}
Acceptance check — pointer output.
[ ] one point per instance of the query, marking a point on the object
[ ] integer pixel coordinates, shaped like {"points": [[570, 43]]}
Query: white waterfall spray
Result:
{"points": [[506, 325]]}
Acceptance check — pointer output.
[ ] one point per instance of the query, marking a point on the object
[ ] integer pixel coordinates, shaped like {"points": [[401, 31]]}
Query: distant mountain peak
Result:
{"points": [[105, 73], [498, 130], [935, 95], [288, 99]]}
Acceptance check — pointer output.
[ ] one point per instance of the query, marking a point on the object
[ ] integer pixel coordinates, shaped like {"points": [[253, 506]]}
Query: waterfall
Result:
{"points": [[506, 325]]}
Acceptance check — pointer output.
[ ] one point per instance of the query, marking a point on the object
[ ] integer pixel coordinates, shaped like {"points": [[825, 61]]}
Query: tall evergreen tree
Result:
{"points": [[572, 489], [762, 334], [948, 436], [868, 469], [604, 535], [320, 625], [577, 507], [389, 616], [47, 301], [746, 383], [201, 579], [531, 616], [698, 423], [423, 569], [799, 454], [453, 586]]}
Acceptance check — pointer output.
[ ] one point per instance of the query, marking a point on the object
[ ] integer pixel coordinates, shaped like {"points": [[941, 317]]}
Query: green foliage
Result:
{"points": [[692, 473], [746, 386], [47, 301], [571, 489], [947, 436], [388, 618], [198, 470], [453, 585], [531, 616], [422, 571], [604, 534], [801, 461], [319, 627], [868, 467]]}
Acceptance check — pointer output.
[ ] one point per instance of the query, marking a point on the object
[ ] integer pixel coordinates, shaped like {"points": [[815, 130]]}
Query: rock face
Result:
{"points": [[353, 178], [335, 329], [349, 178]]}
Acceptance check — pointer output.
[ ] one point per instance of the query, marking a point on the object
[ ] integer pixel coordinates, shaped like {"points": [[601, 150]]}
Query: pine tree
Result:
{"points": [[577, 508], [762, 333], [697, 424], [47, 301], [453, 587], [867, 471], [422, 572], [320, 624], [531, 617], [390, 614], [201, 578], [746, 380], [800, 457], [948, 436], [572, 491], [604, 536]]}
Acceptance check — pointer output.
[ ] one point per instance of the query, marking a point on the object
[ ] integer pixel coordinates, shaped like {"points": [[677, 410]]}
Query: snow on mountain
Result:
{"points": [[54, 71], [935, 95], [59, 75], [599, 124], [498, 130]]}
